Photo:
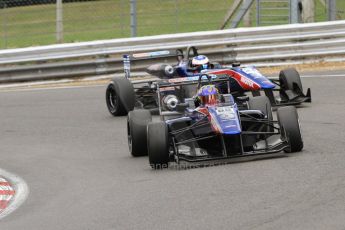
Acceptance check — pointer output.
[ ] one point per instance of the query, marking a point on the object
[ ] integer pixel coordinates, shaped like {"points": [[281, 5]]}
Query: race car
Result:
{"points": [[123, 94], [211, 126]]}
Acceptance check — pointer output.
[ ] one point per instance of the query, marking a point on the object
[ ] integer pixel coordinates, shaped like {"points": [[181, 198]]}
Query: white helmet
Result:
{"points": [[200, 60]]}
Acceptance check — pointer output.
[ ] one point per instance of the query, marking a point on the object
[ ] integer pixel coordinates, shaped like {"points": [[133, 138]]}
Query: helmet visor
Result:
{"points": [[209, 99], [205, 66]]}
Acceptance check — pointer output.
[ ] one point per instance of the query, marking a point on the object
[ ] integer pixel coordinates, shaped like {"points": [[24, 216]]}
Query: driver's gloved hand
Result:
{"points": [[196, 101]]}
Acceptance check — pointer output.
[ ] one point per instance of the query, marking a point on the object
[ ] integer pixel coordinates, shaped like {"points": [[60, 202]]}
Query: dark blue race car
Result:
{"points": [[123, 95], [211, 126]]}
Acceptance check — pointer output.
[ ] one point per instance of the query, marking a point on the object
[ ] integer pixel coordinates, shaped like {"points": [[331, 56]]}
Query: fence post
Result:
{"points": [[331, 10], [294, 11], [176, 17], [59, 22], [258, 12], [133, 18], [3, 16]]}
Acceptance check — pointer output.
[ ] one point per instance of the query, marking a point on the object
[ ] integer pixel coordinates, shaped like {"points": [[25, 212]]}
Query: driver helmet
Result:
{"points": [[200, 62], [208, 95]]}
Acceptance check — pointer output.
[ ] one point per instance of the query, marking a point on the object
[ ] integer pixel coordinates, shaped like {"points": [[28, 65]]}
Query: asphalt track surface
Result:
{"points": [[73, 156]]}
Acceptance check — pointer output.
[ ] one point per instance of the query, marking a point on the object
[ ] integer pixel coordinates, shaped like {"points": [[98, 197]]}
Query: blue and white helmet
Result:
{"points": [[200, 60]]}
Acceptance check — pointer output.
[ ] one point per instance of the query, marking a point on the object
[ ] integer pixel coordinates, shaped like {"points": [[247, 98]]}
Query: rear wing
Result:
{"points": [[127, 58]]}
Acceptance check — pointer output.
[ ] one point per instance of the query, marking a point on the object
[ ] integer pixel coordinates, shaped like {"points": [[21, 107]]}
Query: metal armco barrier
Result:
{"points": [[263, 46]]}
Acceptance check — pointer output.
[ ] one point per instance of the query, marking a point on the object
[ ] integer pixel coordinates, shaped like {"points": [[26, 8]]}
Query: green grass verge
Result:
{"points": [[108, 19]]}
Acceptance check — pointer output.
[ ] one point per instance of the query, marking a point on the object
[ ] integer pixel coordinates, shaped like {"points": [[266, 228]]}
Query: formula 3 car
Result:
{"points": [[123, 94], [211, 127]]}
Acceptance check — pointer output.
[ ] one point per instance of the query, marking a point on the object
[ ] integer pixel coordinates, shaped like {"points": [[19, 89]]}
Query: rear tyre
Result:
{"points": [[290, 128], [120, 96], [158, 145], [137, 121], [290, 79]]}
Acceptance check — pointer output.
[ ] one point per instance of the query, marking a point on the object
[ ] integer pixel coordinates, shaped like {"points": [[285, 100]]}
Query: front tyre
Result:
{"points": [[290, 128], [263, 104], [289, 79], [158, 145]]}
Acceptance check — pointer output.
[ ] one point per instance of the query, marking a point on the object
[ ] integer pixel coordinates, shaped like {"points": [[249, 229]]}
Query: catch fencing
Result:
{"points": [[36, 22]]}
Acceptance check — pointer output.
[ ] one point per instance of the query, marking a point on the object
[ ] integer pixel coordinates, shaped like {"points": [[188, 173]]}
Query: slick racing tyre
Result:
{"points": [[290, 79], [263, 104], [120, 96], [158, 145], [290, 128], [137, 121]]}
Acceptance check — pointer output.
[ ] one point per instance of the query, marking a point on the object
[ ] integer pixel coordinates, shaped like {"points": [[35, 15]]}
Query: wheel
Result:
{"points": [[290, 128], [288, 78], [261, 103], [137, 121], [158, 145], [120, 96]]}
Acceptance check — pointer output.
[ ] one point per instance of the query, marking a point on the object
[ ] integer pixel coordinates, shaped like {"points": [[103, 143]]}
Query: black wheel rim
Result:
{"points": [[112, 100]]}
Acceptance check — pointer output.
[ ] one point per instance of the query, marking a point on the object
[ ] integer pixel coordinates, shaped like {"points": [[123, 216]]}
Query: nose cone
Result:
{"points": [[253, 74], [225, 119]]}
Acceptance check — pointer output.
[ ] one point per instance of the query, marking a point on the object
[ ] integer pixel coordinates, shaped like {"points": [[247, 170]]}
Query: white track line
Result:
{"points": [[21, 192], [13, 89], [323, 76]]}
